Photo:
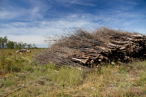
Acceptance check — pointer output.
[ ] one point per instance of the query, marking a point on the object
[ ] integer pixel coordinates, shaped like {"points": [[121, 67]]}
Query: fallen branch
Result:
{"points": [[13, 91]]}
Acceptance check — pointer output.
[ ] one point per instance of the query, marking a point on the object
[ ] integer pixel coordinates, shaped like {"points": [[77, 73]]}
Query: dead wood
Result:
{"points": [[103, 45]]}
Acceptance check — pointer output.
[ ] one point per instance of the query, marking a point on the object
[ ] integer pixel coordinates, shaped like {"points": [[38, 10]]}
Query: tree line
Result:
{"points": [[5, 43]]}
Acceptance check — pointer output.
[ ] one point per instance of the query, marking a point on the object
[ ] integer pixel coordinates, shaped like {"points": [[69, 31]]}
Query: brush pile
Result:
{"points": [[91, 49]]}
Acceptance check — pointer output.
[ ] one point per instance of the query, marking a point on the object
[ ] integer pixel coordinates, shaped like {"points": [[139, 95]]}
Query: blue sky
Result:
{"points": [[31, 21]]}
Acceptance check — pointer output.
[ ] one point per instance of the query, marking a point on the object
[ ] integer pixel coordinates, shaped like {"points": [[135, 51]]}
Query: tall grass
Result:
{"points": [[49, 80]]}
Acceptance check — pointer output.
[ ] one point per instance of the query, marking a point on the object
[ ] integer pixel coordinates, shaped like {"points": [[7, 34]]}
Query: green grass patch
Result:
{"points": [[128, 80]]}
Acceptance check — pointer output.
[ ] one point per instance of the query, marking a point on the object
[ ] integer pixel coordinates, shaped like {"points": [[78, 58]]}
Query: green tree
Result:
{"points": [[23, 45], [20, 45], [29, 46], [10, 45], [4, 41]]}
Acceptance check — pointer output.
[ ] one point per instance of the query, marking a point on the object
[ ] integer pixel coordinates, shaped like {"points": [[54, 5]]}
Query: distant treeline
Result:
{"points": [[5, 43]]}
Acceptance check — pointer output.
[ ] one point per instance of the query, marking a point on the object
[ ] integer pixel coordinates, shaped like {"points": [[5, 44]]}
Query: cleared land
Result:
{"points": [[20, 76]]}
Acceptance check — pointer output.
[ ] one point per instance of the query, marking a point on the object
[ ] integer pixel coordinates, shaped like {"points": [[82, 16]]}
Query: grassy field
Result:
{"points": [[20, 76]]}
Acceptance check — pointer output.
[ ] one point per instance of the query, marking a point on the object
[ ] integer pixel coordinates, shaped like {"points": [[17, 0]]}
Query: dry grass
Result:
{"points": [[49, 80]]}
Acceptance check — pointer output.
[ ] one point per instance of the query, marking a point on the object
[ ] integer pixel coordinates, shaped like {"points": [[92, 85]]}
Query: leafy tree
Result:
{"points": [[23, 45], [10, 45], [4, 40], [29, 46], [20, 45]]}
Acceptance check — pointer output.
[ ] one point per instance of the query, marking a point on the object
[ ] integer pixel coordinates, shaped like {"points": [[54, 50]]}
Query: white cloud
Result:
{"points": [[78, 2], [10, 14], [81, 3], [132, 3], [20, 31], [58, 26], [36, 11]]}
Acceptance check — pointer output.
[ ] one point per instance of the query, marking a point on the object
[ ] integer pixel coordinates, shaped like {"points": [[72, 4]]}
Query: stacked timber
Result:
{"points": [[117, 49], [99, 47]]}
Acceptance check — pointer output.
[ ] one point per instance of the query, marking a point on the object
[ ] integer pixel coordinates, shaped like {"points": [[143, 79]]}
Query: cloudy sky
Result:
{"points": [[31, 21]]}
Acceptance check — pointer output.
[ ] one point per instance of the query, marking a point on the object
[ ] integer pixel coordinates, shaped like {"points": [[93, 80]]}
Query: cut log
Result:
{"points": [[136, 40], [102, 48], [119, 42], [120, 49], [138, 36], [84, 61]]}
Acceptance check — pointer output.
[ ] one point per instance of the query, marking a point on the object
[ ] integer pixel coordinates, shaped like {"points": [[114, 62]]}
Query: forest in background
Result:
{"points": [[6, 43]]}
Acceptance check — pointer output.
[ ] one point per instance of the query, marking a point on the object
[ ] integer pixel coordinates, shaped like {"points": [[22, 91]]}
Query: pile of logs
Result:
{"points": [[117, 49], [91, 49]]}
